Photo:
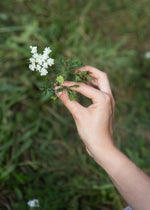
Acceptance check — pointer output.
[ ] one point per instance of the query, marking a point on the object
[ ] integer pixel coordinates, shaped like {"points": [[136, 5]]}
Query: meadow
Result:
{"points": [[41, 154]]}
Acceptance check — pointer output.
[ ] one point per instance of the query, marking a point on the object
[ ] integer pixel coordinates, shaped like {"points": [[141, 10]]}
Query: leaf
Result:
{"points": [[89, 78], [7, 171], [73, 86], [24, 147], [71, 94], [77, 78], [61, 88]]}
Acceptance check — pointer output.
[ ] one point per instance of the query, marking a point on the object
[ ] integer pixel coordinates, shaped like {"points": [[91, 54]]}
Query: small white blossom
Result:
{"points": [[43, 72], [47, 50], [45, 57], [33, 203], [35, 55], [33, 49], [45, 65], [32, 67], [38, 67], [32, 60], [40, 62], [50, 61], [147, 55]]}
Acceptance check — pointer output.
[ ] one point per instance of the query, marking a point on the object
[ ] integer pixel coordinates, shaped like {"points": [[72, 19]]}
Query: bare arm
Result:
{"points": [[131, 182], [94, 125]]}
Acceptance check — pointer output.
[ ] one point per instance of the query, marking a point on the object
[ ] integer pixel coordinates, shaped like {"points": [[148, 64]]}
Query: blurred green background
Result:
{"points": [[41, 155]]}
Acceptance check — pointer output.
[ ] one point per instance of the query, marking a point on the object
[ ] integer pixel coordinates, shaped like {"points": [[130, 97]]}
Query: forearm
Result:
{"points": [[130, 181]]}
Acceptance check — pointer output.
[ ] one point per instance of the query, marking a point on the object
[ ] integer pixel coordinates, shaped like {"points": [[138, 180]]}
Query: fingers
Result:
{"points": [[102, 79], [73, 106], [94, 94], [93, 83]]}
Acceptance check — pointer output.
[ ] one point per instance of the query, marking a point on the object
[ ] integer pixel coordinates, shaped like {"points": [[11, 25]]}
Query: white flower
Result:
{"points": [[47, 50], [50, 61], [45, 57], [38, 67], [33, 203], [32, 60], [40, 62], [43, 72], [32, 67], [35, 55], [33, 49], [147, 55], [45, 65]]}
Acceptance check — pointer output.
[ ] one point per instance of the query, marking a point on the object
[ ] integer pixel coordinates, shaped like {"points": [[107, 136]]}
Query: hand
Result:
{"points": [[94, 123]]}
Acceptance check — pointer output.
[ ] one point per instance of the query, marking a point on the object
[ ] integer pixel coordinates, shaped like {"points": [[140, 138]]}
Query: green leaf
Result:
{"points": [[73, 86], [89, 78], [61, 88], [7, 171]]}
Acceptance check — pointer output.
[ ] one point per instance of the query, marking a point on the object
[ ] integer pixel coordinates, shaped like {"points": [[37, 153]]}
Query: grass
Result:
{"points": [[41, 155]]}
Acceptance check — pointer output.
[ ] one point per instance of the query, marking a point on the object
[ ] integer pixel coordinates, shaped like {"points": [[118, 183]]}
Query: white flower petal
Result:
{"points": [[38, 68], [33, 203], [47, 50], [43, 72], [32, 60], [50, 61], [32, 67], [35, 55], [33, 49], [45, 57], [45, 65], [147, 55]]}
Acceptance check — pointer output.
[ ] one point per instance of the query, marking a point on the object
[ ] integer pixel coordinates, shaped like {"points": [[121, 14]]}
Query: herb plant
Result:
{"points": [[56, 73]]}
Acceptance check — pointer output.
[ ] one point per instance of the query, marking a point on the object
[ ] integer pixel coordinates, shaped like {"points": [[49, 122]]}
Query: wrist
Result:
{"points": [[102, 153], [111, 159]]}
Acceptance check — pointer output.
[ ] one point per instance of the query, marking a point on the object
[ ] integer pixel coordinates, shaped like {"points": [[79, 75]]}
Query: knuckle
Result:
{"points": [[105, 75]]}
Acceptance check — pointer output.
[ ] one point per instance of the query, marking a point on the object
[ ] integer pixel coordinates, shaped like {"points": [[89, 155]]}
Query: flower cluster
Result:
{"points": [[33, 203], [60, 79], [40, 62]]}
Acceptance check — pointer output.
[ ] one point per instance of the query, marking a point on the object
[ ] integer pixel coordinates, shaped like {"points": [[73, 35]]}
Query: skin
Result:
{"points": [[95, 127]]}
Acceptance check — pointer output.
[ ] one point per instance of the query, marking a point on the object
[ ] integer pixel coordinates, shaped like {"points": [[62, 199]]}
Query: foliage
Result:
{"points": [[41, 155], [61, 71]]}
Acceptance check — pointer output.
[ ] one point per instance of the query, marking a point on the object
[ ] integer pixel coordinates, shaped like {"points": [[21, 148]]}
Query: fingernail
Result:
{"points": [[58, 93]]}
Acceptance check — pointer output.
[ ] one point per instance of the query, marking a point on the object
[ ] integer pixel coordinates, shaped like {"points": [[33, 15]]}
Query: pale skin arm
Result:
{"points": [[94, 125]]}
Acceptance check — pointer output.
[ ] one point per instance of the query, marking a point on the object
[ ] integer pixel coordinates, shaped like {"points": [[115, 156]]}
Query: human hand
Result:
{"points": [[94, 123]]}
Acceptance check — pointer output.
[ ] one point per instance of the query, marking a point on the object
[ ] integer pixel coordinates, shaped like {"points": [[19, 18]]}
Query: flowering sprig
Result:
{"points": [[62, 70]]}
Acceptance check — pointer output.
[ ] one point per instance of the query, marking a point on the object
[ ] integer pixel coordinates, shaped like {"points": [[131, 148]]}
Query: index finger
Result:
{"points": [[95, 95], [102, 78]]}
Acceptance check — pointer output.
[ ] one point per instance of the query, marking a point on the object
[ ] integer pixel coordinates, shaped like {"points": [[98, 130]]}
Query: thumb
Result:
{"points": [[73, 106]]}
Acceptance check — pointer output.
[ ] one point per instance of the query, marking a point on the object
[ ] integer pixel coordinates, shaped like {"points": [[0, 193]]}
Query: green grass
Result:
{"points": [[41, 155]]}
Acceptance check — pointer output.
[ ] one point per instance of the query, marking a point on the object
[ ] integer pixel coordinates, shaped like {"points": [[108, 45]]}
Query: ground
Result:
{"points": [[41, 154]]}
